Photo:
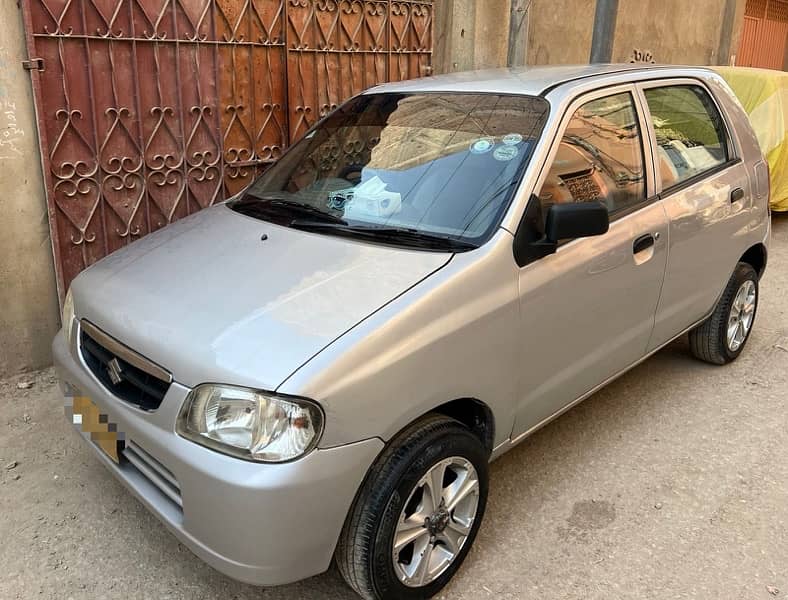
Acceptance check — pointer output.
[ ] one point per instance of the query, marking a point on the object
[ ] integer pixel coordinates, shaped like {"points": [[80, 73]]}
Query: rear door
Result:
{"points": [[705, 189], [587, 311]]}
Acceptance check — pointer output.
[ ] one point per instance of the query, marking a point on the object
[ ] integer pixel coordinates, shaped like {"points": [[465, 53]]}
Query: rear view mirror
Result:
{"points": [[575, 220]]}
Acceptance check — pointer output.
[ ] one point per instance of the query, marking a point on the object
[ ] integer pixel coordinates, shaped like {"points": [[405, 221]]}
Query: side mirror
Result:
{"points": [[567, 222], [575, 220], [564, 221]]}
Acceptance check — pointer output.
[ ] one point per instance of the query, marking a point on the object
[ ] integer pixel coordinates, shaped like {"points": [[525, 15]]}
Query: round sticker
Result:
{"points": [[481, 146], [505, 153], [512, 139]]}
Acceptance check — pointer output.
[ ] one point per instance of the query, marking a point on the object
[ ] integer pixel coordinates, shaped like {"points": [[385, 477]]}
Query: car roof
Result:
{"points": [[519, 80]]}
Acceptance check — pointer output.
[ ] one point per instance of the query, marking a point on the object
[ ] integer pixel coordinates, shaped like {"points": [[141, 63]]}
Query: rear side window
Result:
{"points": [[691, 136], [599, 159]]}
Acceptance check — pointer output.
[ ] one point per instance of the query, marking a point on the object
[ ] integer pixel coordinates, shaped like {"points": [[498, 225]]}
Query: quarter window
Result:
{"points": [[691, 137], [600, 158]]}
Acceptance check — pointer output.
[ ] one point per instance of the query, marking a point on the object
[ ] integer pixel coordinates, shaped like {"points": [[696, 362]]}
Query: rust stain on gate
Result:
{"points": [[150, 110]]}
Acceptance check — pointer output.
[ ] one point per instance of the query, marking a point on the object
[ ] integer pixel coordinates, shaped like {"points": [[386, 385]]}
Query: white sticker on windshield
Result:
{"points": [[512, 139], [505, 153], [482, 146]]}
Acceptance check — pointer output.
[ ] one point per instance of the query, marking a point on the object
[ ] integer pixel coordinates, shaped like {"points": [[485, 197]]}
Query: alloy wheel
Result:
{"points": [[741, 315], [435, 521]]}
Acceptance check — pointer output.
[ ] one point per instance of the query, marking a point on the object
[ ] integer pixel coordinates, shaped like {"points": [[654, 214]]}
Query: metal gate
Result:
{"points": [[764, 34], [149, 110]]}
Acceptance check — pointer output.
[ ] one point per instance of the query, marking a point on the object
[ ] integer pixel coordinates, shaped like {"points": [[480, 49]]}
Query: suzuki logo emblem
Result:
{"points": [[114, 371]]}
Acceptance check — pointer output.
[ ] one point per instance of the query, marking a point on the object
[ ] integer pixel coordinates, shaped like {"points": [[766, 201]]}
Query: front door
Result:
{"points": [[587, 311]]}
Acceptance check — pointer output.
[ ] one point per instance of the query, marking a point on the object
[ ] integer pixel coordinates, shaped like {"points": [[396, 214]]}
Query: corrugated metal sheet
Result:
{"points": [[770, 48], [764, 34], [749, 37]]}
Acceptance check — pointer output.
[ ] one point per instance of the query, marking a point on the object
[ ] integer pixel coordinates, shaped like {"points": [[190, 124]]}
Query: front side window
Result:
{"points": [[425, 170], [600, 158], [691, 137]]}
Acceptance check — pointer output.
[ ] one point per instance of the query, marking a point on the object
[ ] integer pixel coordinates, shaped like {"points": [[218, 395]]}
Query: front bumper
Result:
{"points": [[265, 524]]}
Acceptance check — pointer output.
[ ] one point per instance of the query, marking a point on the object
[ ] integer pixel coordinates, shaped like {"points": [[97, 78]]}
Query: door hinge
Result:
{"points": [[34, 64]]}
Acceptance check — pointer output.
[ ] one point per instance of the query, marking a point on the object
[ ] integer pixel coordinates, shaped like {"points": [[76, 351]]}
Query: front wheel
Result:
{"points": [[417, 513], [721, 338]]}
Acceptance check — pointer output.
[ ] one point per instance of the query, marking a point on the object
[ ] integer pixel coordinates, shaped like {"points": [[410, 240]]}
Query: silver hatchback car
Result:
{"points": [[323, 366]]}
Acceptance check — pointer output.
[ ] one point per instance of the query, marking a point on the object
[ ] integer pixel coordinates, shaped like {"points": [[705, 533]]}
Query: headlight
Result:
{"points": [[67, 315], [250, 424]]}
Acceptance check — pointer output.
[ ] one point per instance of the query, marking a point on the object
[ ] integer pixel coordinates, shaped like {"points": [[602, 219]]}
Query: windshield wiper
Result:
{"points": [[409, 237], [253, 205]]}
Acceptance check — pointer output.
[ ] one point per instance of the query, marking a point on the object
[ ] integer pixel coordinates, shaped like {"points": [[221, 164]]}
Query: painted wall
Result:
{"points": [[29, 315]]}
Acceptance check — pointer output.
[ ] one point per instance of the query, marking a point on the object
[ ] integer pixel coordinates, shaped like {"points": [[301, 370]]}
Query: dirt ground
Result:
{"points": [[670, 483]]}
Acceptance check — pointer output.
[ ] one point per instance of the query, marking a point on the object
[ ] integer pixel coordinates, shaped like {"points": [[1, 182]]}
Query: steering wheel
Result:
{"points": [[351, 173]]}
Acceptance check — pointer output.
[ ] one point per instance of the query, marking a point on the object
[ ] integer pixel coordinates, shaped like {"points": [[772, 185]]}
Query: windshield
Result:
{"points": [[428, 170]]}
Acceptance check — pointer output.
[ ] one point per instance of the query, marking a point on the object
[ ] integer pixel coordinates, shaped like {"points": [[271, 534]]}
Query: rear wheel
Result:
{"points": [[417, 513], [721, 338]]}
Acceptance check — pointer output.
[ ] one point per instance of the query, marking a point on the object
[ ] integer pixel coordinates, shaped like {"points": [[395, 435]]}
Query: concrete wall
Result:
{"points": [[559, 31], [29, 315], [474, 34], [665, 31], [470, 34], [675, 31]]}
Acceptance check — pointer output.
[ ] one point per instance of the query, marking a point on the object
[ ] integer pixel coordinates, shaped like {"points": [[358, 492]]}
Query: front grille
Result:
{"points": [[125, 380], [154, 471]]}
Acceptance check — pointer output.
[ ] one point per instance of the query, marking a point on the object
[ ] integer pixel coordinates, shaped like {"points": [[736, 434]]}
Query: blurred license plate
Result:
{"points": [[92, 422]]}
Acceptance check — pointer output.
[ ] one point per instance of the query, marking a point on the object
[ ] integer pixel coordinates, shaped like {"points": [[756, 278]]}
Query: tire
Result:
{"points": [[365, 552], [710, 341]]}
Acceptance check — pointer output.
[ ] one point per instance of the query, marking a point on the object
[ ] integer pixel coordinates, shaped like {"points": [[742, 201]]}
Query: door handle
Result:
{"points": [[644, 242], [736, 195]]}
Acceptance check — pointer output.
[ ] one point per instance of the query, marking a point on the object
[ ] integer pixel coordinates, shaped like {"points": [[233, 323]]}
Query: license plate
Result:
{"points": [[93, 423]]}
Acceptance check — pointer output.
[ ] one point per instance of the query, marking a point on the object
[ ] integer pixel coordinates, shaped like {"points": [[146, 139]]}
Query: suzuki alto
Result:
{"points": [[322, 367]]}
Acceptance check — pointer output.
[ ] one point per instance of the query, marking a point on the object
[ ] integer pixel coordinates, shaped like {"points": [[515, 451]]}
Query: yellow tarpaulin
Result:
{"points": [[764, 95]]}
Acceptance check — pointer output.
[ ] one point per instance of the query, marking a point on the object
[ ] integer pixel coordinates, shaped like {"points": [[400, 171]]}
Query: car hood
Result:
{"points": [[210, 301]]}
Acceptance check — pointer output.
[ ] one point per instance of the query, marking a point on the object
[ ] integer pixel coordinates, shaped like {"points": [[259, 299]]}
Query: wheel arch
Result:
{"points": [[474, 414], [756, 256]]}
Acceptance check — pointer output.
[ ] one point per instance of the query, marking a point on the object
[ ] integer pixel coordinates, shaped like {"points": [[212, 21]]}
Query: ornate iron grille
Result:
{"points": [[150, 110]]}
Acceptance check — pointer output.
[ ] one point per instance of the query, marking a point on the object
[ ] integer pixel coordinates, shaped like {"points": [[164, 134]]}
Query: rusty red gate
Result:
{"points": [[149, 110]]}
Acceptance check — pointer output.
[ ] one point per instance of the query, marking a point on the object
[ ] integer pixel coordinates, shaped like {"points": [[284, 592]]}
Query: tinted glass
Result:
{"points": [[690, 132], [442, 164], [600, 158]]}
